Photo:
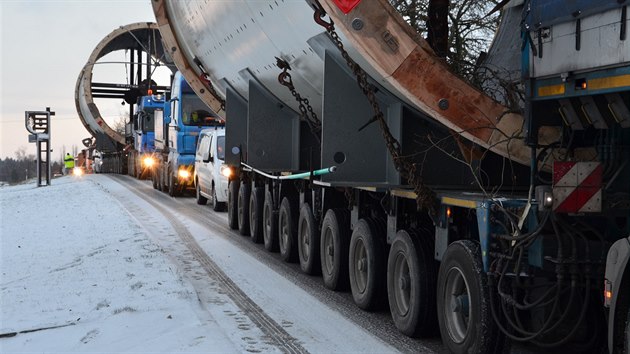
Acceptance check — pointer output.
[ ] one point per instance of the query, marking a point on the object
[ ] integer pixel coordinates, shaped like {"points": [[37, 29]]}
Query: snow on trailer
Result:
{"points": [[442, 201]]}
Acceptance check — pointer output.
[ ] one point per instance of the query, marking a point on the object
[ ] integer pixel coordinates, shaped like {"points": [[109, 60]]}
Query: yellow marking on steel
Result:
{"points": [[459, 202], [404, 194], [551, 90], [609, 82]]}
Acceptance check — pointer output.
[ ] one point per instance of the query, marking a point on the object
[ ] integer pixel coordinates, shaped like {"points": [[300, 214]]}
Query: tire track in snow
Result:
{"points": [[275, 332], [378, 323]]}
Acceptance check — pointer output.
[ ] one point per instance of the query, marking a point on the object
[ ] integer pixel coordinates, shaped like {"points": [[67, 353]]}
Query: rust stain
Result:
{"points": [[429, 81]]}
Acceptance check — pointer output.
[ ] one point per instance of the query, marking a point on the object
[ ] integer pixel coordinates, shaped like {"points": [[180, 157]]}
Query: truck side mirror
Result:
{"points": [[206, 157]]}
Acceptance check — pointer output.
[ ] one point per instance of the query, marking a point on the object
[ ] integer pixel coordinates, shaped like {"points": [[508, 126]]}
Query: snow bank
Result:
{"points": [[71, 257]]}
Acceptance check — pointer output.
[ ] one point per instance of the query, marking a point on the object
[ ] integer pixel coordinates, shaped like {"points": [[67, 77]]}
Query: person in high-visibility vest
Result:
{"points": [[68, 162]]}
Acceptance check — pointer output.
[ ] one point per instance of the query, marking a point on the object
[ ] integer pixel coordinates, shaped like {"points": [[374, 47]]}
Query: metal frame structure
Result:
{"points": [[38, 124]]}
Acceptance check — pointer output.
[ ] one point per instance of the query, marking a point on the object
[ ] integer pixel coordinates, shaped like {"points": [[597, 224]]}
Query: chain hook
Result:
{"points": [[284, 78], [319, 15]]}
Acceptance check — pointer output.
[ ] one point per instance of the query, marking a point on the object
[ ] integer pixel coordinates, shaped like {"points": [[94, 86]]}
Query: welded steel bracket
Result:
{"points": [[235, 128], [273, 132], [360, 155]]}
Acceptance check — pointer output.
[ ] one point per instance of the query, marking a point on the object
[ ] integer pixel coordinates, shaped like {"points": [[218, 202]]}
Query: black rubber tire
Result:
{"points": [[627, 341], [411, 273], [366, 265], [462, 264], [154, 180], [270, 224], [243, 208], [233, 189], [172, 188], [287, 230], [163, 184], [308, 242], [255, 214], [335, 240], [216, 206], [201, 200]]}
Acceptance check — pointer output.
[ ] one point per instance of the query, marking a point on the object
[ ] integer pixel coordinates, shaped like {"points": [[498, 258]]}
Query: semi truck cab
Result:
{"points": [[185, 115], [142, 158]]}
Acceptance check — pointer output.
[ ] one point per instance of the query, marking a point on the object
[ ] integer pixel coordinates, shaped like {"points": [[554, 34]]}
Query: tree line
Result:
{"points": [[23, 167]]}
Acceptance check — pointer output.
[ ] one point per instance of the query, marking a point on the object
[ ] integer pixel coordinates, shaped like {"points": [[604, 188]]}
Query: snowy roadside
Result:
{"points": [[71, 257], [113, 269]]}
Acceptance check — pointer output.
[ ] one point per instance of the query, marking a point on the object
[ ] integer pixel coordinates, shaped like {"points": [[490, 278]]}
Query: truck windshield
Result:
{"points": [[221, 148], [146, 120], [195, 112]]}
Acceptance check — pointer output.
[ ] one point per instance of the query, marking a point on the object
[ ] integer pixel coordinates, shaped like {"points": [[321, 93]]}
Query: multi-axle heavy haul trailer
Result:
{"points": [[356, 152]]}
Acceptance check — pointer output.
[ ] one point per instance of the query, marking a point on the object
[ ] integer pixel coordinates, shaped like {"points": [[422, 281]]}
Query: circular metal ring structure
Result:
{"points": [[143, 37]]}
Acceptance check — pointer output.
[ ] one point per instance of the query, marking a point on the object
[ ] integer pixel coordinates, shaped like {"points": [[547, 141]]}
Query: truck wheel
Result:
{"points": [[287, 230], [334, 249], [163, 184], [366, 265], [270, 224], [233, 189], [154, 181], [411, 272], [243, 208], [216, 205], [627, 342], [308, 241], [463, 302], [255, 214], [172, 189], [201, 200]]}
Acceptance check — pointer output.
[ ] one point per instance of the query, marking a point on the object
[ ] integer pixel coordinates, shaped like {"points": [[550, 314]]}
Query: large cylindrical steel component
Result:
{"points": [[233, 42], [142, 36]]}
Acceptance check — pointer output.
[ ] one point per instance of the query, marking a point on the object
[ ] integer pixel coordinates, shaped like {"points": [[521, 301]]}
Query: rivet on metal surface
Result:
{"points": [[173, 49], [443, 104], [357, 24]]}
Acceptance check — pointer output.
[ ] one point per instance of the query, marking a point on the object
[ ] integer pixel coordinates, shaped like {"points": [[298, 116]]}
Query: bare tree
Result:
{"points": [[119, 125], [471, 27]]}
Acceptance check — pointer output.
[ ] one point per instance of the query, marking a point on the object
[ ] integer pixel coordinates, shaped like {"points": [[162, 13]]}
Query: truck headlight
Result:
{"points": [[183, 174], [77, 171], [148, 161]]}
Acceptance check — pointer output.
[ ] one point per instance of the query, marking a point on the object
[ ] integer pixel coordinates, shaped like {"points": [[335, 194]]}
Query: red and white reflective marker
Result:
{"points": [[346, 5], [577, 187]]}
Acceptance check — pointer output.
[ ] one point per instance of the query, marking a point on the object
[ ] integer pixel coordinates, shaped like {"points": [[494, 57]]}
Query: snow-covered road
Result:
{"points": [[123, 273]]}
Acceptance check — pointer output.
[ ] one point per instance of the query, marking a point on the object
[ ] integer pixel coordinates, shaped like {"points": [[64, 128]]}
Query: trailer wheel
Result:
{"points": [[411, 272], [233, 189], [463, 301], [366, 265], [287, 233], [334, 249], [216, 206], [255, 214], [308, 241], [270, 224], [201, 200], [243, 208]]}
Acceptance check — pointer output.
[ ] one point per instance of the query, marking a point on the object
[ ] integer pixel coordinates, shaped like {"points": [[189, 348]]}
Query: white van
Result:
{"points": [[211, 175]]}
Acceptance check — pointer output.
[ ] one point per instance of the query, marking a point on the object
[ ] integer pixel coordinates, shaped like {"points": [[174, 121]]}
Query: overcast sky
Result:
{"points": [[43, 47]]}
